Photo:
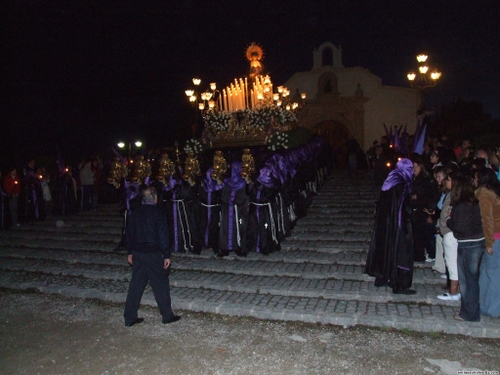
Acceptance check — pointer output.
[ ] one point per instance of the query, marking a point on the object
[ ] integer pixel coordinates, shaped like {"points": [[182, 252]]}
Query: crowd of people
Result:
{"points": [[32, 192], [441, 207]]}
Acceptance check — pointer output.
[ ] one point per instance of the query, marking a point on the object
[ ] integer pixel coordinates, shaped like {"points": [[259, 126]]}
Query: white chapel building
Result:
{"points": [[350, 101]]}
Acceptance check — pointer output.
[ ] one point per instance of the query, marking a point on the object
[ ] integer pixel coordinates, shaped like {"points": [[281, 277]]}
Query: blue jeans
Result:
{"points": [[469, 258], [489, 284]]}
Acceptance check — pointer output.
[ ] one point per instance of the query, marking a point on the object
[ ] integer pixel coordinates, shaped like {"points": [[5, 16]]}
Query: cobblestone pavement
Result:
{"points": [[317, 277]]}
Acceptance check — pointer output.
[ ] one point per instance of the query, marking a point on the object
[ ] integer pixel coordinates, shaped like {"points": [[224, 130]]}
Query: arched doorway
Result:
{"points": [[337, 134]]}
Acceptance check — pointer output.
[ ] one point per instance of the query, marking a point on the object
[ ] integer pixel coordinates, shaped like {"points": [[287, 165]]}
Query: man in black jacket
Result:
{"points": [[147, 242]]}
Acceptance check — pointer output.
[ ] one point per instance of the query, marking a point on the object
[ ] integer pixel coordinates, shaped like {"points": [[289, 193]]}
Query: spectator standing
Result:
{"points": [[488, 195], [79, 189], [33, 204], [95, 167], [47, 195], [87, 179], [450, 244], [12, 187], [462, 151], [465, 222], [441, 174], [424, 197], [5, 219]]}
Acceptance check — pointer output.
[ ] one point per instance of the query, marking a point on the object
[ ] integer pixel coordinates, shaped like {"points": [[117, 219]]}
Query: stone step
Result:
{"points": [[261, 267], [281, 284], [399, 314], [312, 241], [342, 257], [48, 238], [74, 244]]}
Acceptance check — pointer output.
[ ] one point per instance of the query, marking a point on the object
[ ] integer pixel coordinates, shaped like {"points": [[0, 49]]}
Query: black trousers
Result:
{"points": [[148, 267], [423, 239]]}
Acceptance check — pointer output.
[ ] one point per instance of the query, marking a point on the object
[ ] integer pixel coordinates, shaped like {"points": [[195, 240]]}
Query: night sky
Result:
{"points": [[81, 75]]}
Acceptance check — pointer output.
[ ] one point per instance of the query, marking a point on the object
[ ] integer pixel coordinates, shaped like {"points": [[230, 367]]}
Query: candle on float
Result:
{"points": [[253, 94], [235, 107], [246, 93], [241, 87], [238, 97]]}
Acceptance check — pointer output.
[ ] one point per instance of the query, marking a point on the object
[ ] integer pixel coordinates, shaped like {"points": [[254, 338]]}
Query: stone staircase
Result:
{"points": [[317, 276]]}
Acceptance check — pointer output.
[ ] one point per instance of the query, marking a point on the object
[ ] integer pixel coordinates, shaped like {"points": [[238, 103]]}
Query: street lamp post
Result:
{"points": [[424, 78], [122, 145]]}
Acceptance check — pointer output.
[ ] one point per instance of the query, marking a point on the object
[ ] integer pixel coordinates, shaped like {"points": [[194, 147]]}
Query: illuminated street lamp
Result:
{"points": [[122, 145], [205, 101], [192, 96], [426, 77]]}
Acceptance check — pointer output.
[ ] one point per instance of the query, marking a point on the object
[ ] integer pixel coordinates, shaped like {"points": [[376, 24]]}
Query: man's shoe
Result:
{"points": [[450, 297], [137, 321], [175, 318]]}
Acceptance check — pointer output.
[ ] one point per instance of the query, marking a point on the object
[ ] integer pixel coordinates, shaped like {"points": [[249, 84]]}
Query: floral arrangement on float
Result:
{"points": [[194, 146], [278, 141], [248, 123]]}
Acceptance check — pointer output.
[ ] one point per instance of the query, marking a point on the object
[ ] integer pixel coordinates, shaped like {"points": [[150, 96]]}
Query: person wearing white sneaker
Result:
{"points": [[450, 297], [450, 243]]}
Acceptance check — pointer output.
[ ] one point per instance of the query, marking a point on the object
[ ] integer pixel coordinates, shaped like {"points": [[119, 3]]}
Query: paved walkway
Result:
{"points": [[317, 277]]}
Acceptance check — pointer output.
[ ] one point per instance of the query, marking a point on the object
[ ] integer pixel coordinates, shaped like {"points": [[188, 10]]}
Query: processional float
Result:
{"points": [[248, 112]]}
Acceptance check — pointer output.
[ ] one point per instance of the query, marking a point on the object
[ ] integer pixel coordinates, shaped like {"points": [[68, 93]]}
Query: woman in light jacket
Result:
{"points": [[488, 194]]}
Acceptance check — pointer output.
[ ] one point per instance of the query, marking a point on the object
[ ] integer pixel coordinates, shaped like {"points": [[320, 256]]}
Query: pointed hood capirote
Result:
{"points": [[403, 173]]}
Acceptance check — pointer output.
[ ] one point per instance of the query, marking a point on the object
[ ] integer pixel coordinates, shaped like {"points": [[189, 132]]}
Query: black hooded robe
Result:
{"points": [[390, 256]]}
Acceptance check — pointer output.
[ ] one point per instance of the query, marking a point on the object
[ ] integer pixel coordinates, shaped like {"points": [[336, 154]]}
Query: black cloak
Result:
{"points": [[390, 256]]}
